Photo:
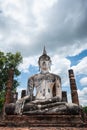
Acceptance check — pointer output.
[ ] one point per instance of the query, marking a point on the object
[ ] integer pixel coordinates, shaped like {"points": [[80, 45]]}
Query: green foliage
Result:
{"points": [[2, 99], [85, 109], [8, 61]]}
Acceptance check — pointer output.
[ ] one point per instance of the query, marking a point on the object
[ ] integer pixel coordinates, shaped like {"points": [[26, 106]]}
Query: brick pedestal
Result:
{"points": [[45, 120]]}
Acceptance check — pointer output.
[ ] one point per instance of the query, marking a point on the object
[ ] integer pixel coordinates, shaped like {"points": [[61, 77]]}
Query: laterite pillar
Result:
{"points": [[73, 86], [8, 98]]}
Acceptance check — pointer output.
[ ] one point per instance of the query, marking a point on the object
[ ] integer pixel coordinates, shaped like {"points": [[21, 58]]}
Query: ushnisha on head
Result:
{"points": [[44, 62]]}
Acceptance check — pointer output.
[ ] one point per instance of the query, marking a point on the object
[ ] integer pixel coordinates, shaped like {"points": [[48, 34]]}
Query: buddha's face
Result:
{"points": [[44, 64]]}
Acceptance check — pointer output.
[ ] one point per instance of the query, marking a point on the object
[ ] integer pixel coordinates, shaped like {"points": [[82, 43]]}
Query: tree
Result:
{"points": [[85, 109], [8, 61]]}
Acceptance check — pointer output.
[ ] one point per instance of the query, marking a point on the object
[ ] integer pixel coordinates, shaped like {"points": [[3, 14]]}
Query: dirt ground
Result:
{"points": [[41, 128]]}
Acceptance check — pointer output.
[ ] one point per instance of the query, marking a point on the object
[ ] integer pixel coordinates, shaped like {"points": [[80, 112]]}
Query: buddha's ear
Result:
{"points": [[39, 64], [50, 65]]}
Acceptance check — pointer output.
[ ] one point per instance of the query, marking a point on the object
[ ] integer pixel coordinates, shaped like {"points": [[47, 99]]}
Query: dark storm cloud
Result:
{"points": [[66, 23]]}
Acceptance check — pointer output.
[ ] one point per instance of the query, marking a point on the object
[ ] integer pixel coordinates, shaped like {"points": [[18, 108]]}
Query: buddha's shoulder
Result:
{"points": [[50, 75], [34, 76], [55, 76]]}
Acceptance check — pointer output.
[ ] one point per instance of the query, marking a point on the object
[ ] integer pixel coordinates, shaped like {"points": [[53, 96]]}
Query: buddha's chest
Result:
{"points": [[44, 86], [44, 81]]}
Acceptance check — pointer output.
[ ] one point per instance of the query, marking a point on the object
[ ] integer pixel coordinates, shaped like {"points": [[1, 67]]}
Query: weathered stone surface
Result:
{"points": [[55, 107], [10, 109], [45, 106], [44, 120]]}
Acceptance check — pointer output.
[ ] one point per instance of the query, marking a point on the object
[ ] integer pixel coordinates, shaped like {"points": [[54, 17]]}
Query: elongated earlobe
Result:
{"points": [[50, 66]]}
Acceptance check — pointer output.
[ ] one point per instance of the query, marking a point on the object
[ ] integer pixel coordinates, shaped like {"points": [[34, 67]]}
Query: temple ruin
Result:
{"points": [[50, 106]]}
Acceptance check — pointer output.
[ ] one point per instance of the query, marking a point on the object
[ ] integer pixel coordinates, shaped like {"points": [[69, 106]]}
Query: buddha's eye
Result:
{"points": [[41, 59], [46, 59]]}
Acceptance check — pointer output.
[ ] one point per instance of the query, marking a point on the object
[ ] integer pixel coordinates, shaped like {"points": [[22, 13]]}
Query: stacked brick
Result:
{"points": [[74, 94]]}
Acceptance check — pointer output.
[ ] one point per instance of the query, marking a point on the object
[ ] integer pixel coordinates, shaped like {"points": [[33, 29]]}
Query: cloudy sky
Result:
{"points": [[61, 25]]}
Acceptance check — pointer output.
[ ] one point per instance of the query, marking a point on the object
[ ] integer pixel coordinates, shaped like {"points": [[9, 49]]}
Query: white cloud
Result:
{"points": [[61, 66], [0, 36], [81, 67], [38, 10], [83, 96], [27, 61], [83, 81], [15, 9]]}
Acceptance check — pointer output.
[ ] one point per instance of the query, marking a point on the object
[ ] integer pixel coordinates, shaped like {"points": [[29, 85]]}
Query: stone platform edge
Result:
{"points": [[46, 120]]}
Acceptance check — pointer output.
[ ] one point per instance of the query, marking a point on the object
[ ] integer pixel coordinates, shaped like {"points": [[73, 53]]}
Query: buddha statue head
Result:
{"points": [[44, 62]]}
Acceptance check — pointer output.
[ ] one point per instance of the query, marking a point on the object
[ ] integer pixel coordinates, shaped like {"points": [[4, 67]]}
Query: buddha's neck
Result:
{"points": [[44, 71]]}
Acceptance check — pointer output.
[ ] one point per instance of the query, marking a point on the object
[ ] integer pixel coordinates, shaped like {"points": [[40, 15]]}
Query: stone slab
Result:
{"points": [[45, 120]]}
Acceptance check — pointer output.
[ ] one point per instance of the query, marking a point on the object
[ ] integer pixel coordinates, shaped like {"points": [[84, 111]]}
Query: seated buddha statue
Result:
{"points": [[48, 98], [44, 82]]}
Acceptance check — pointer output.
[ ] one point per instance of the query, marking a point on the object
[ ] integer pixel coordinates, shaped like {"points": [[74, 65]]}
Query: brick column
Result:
{"points": [[8, 98], [64, 96], [23, 93], [74, 94]]}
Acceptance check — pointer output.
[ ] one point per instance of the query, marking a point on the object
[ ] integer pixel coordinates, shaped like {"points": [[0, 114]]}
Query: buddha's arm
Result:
{"points": [[58, 88], [30, 88]]}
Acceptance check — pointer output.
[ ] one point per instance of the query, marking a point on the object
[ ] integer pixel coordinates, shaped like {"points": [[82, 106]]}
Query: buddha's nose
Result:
{"points": [[44, 63]]}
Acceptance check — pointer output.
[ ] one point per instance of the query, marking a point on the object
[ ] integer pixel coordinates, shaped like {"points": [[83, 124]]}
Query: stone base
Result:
{"points": [[45, 120]]}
